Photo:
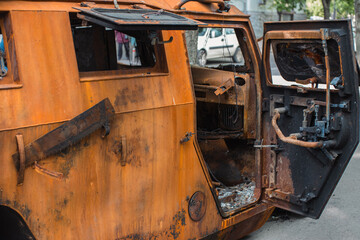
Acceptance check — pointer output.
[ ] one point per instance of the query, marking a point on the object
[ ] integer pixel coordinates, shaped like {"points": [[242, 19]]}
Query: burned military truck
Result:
{"points": [[116, 126]]}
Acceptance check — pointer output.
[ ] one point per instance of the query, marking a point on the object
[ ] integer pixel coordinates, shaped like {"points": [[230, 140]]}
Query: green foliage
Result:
{"points": [[314, 8], [343, 8], [288, 5]]}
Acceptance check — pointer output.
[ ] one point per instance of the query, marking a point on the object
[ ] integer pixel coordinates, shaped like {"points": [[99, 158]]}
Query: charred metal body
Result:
{"points": [[160, 120]]}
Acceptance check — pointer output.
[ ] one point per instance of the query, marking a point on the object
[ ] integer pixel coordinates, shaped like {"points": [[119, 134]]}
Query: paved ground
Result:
{"points": [[340, 219]]}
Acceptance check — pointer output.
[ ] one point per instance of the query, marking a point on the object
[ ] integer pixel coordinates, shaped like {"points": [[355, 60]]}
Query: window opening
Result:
{"points": [[301, 63], [107, 51], [219, 48], [9, 76]]}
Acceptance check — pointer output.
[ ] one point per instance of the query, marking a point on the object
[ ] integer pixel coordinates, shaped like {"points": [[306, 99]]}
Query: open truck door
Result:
{"points": [[310, 111]]}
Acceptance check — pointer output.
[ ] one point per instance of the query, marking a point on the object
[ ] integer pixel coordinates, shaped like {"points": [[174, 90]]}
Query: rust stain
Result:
{"points": [[115, 150], [284, 175], [133, 95], [58, 212], [66, 157], [175, 229], [172, 233]]}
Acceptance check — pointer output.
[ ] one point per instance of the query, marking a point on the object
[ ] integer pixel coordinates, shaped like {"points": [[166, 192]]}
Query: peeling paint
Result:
{"points": [[179, 220]]}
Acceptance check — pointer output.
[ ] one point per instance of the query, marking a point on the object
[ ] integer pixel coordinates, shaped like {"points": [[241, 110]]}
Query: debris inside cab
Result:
{"points": [[235, 197]]}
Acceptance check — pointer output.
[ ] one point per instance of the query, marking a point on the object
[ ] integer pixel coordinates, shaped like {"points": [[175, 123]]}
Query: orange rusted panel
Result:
{"points": [[137, 182]]}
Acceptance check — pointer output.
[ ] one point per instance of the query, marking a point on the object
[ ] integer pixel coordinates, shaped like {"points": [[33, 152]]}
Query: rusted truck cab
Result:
{"points": [[164, 120]]}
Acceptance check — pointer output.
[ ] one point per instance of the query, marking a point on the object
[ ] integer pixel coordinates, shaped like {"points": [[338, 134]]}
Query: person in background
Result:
{"points": [[122, 39], [3, 66], [133, 49]]}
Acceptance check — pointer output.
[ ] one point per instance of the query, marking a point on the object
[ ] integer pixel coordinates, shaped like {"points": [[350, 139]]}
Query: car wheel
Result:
{"points": [[201, 58], [238, 57]]}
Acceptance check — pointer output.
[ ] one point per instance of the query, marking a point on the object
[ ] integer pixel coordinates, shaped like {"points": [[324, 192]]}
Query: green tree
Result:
{"points": [[314, 8], [343, 8], [288, 6], [338, 8]]}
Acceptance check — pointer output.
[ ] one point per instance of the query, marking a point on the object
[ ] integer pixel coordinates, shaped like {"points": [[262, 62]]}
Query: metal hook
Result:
{"points": [[156, 40], [106, 127]]}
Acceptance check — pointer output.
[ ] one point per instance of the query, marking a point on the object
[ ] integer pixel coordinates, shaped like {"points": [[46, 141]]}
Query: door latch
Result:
{"points": [[259, 144]]}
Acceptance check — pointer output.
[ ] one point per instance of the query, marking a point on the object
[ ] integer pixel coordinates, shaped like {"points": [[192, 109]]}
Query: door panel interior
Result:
{"points": [[311, 116]]}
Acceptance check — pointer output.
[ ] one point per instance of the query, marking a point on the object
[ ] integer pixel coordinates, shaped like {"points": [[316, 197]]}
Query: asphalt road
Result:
{"points": [[340, 219]]}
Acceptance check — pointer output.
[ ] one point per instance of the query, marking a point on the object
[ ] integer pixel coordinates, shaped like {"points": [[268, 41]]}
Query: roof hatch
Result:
{"points": [[137, 19]]}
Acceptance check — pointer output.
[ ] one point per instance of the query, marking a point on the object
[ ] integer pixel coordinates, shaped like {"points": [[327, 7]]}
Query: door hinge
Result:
{"points": [[291, 198], [276, 193]]}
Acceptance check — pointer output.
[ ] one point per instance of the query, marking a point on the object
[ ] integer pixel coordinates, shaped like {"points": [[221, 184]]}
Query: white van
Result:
{"points": [[218, 44]]}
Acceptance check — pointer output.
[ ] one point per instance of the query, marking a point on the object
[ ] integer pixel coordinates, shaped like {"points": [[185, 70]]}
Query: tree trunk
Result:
{"points": [[279, 14], [334, 11], [326, 6], [191, 42], [357, 31]]}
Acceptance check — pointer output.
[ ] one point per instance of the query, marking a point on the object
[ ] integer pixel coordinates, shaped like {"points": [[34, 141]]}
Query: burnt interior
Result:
{"points": [[230, 160], [229, 156], [227, 148]]}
